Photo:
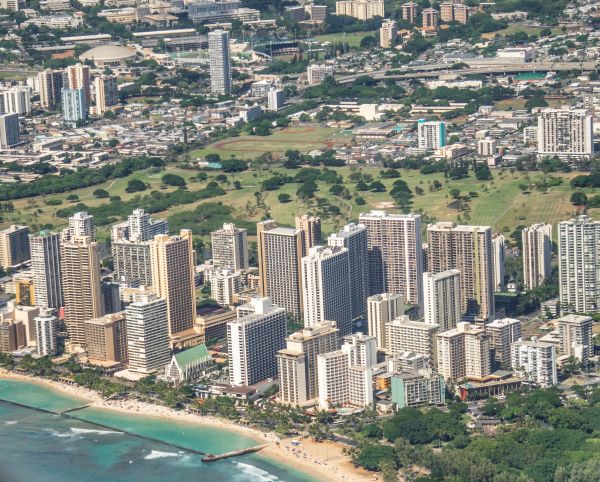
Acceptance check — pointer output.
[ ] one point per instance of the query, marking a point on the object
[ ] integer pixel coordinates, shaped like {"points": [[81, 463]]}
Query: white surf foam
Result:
{"points": [[11, 422], [84, 431], [254, 473], [157, 454]]}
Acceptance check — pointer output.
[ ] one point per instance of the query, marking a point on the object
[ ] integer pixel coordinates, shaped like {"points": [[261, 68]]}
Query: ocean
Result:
{"points": [[101, 445]]}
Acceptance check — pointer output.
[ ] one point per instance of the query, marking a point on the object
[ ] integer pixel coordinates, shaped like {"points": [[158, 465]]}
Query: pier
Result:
{"points": [[233, 453], [75, 409]]}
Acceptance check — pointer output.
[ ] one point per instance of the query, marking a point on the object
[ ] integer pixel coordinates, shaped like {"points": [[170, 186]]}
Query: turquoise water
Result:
{"points": [[38, 446]]}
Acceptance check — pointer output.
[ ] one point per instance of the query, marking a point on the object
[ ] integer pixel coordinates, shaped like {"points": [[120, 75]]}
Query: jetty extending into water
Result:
{"points": [[233, 453], [205, 457]]}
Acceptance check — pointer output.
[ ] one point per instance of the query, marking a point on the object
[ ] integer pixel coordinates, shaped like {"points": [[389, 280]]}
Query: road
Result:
{"points": [[478, 67]]}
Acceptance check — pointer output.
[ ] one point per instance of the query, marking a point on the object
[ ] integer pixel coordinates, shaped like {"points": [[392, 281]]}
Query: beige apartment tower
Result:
{"points": [[395, 254], [537, 254], [280, 252], [105, 87], [409, 12], [404, 335], [79, 78], [173, 267], [230, 247], [80, 269], [381, 310], [297, 363], [361, 9], [430, 19], [469, 250], [106, 338], [442, 298], [311, 230], [14, 246], [463, 352], [387, 34]]}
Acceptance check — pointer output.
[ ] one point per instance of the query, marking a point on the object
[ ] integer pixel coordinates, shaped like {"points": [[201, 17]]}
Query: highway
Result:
{"points": [[479, 67]]}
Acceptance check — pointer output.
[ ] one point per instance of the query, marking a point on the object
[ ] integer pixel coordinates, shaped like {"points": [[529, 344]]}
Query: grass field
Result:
{"points": [[500, 202], [517, 27], [352, 39], [516, 104], [304, 139]]}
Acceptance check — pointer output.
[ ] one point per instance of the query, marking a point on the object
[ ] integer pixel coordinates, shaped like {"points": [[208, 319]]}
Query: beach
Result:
{"points": [[324, 461]]}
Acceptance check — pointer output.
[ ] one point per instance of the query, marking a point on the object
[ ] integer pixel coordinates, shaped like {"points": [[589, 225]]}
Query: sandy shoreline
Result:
{"points": [[325, 461]]}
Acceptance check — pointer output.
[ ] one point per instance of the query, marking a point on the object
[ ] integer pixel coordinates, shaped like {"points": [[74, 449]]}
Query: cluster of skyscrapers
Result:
{"points": [[429, 307], [70, 90]]}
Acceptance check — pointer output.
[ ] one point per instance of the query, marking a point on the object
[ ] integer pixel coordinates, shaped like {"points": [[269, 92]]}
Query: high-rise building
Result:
{"points": [[14, 246], [360, 9], [382, 309], [147, 334], [131, 246], [311, 230], [469, 250], [442, 298], [280, 252], [224, 285], [487, 147], [409, 12], [326, 288], [173, 270], [395, 254], [537, 254], [16, 100], [430, 18], [9, 131], [220, 63], [345, 376], [361, 349], [566, 133], [353, 237], [431, 134], [332, 376], [12, 5], [461, 13], [404, 335], [463, 352], [575, 337], [502, 333], [297, 362], [81, 224], [78, 76], [253, 341], [106, 338], [275, 99], [579, 265], [50, 86], [83, 300], [534, 362], [74, 107], [387, 34], [46, 332], [417, 388], [447, 12], [230, 247], [45, 264], [317, 73], [498, 250], [105, 87]]}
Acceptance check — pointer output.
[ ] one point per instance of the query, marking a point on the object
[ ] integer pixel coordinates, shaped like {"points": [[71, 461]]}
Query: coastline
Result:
{"points": [[324, 461]]}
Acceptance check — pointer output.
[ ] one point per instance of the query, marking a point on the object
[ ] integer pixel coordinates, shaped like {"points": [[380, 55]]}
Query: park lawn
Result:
{"points": [[519, 104], [303, 138], [352, 39], [500, 203], [517, 27], [34, 212]]}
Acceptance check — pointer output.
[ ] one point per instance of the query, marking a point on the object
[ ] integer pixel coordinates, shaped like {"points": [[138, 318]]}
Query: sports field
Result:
{"points": [[352, 39], [304, 139]]}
